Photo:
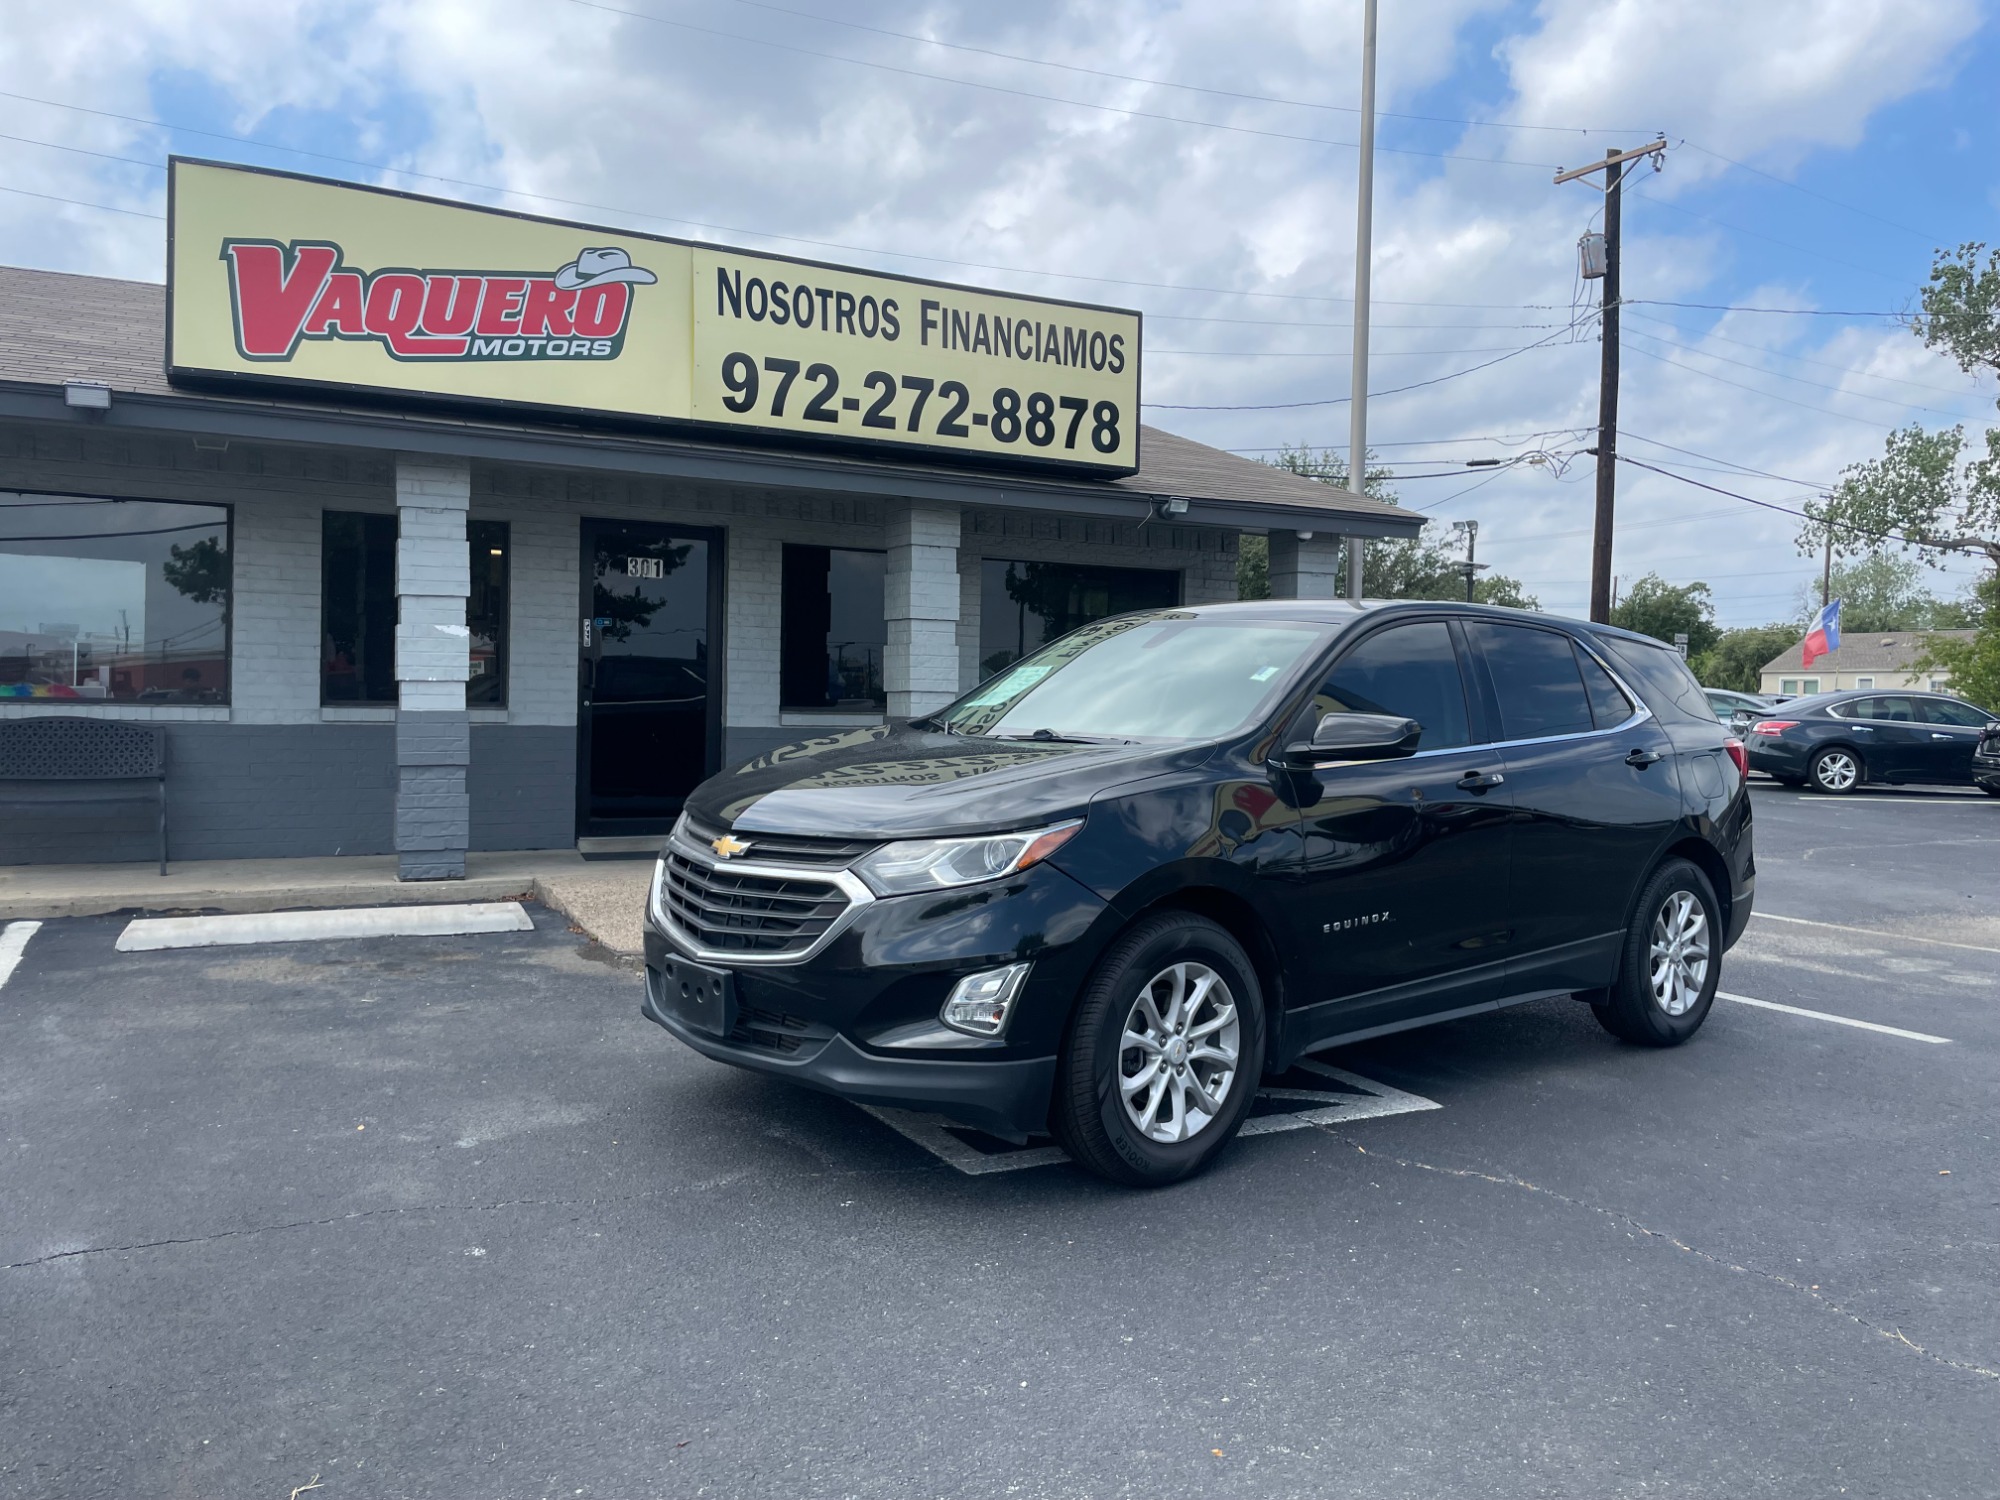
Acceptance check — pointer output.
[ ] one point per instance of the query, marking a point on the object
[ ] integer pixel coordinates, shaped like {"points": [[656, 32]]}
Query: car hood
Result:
{"points": [[898, 782]]}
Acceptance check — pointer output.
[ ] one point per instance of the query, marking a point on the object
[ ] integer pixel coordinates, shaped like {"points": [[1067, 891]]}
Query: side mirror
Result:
{"points": [[1357, 737]]}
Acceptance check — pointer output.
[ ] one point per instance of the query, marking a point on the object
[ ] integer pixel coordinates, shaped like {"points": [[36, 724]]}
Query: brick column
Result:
{"points": [[921, 603], [1306, 568], [433, 731]]}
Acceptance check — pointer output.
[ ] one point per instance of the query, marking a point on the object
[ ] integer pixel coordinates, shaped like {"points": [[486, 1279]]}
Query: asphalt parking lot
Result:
{"points": [[444, 1217]]}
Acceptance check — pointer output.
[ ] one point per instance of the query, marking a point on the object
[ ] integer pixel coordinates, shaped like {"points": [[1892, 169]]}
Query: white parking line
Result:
{"points": [[13, 943], [1820, 1015], [312, 926], [1901, 937], [1351, 1098]]}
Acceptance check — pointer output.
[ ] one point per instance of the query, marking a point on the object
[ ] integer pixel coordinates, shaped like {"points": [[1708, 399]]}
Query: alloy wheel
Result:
{"points": [[1177, 1057], [1680, 953], [1836, 770]]}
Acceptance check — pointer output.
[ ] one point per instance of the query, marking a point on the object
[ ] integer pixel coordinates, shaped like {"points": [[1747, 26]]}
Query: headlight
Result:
{"points": [[938, 864]]}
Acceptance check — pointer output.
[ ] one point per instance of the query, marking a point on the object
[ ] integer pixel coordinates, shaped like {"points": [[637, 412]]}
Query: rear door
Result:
{"points": [[1596, 794], [1953, 728], [1403, 887]]}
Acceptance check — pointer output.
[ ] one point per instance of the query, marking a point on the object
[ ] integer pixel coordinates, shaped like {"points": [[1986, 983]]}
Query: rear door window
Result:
{"points": [[1890, 711], [1664, 680], [1407, 670], [1608, 703], [1536, 680]]}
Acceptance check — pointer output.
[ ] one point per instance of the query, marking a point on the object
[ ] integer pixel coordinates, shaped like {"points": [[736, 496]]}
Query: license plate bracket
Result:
{"points": [[702, 998]]}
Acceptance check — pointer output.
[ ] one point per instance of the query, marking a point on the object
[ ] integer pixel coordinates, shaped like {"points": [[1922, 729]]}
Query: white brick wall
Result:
{"points": [[1306, 568]]}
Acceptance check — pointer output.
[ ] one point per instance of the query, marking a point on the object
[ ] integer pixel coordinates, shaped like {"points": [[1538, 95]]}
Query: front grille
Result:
{"points": [[772, 1031], [785, 848], [728, 911]]}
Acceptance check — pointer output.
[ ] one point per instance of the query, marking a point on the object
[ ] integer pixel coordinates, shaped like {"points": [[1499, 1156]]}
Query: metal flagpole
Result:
{"points": [[1364, 232]]}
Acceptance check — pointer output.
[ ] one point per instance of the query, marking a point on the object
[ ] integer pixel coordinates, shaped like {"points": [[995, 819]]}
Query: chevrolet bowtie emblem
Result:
{"points": [[728, 846]]}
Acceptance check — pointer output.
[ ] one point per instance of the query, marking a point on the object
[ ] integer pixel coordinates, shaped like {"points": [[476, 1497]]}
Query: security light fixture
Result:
{"points": [[1173, 505], [87, 395]]}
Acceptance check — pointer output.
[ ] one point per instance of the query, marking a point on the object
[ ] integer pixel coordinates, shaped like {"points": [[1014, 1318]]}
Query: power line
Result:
{"points": [[1503, 438], [108, 208], [995, 88], [1327, 353], [1742, 364], [1813, 193], [1168, 83], [1825, 411], [1824, 364], [703, 224], [1341, 400], [1800, 312], [1743, 468]]}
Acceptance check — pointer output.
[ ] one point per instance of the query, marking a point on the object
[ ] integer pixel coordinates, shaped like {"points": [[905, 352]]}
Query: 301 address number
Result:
{"points": [[1040, 418]]}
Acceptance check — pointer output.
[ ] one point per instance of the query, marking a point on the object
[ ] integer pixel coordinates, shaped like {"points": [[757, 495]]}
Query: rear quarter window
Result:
{"points": [[1662, 679]]}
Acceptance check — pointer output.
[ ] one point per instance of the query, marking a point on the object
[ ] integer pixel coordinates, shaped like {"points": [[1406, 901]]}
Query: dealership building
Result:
{"points": [[426, 528]]}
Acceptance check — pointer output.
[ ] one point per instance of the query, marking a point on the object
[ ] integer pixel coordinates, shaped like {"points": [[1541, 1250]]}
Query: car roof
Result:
{"points": [[1343, 613]]}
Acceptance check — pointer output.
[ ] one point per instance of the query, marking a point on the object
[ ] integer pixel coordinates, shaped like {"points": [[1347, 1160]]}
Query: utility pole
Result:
{"points": [[1471, 567], [1614, 167], [1364, 250], [1826, 570]]}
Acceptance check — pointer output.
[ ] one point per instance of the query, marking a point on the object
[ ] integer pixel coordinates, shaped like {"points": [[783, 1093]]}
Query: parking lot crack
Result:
{"points": [[1619, 1216]]}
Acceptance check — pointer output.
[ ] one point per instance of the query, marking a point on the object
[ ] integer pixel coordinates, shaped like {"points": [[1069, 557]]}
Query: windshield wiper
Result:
{"points": [[1049, 736]]}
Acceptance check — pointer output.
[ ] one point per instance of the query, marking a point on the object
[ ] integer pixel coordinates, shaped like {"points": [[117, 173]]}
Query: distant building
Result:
{"points": [[1878, 659]]}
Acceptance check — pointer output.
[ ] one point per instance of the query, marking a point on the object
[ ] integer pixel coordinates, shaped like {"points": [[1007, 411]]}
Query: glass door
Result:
{"points": [[649, 718]]}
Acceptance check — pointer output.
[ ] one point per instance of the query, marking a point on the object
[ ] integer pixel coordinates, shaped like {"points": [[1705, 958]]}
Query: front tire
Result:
{"points": [[1671, 963], [1163, 1055], [1836, 771]]}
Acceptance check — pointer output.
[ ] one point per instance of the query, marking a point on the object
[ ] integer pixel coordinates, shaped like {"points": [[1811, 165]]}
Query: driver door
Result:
{"points": [[1403, 886]]}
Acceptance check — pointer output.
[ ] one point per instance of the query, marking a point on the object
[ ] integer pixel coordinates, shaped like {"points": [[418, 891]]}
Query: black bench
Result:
{"points": [[76, 750]]}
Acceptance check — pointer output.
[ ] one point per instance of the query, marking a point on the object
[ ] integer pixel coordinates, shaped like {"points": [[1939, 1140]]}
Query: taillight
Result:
{"points": [[1741, 756], [1773, 726]]}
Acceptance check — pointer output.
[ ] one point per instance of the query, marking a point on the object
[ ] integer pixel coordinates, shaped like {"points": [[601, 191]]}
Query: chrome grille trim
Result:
{"points": [[809, 906]]}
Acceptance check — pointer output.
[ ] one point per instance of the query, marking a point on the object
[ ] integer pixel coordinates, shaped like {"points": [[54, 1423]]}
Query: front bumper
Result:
{"points": [[1009, 1098], [859, 1018]]}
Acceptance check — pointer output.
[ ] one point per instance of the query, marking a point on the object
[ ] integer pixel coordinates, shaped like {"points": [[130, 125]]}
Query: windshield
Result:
{"points": [[1140, 677]]}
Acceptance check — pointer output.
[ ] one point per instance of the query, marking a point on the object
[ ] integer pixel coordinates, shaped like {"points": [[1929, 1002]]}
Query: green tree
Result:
{"points": [[1736, 660], [1972, 667], [1927, 493], [1654, 607], [1932, 493], [1883, 591], [1424, 567]]}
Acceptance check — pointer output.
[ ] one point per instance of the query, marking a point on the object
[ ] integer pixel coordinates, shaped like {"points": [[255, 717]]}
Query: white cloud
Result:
{"points": [[588, 106]]}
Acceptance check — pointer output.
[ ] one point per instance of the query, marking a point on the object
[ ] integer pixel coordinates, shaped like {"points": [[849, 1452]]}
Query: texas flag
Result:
{"points": [[1825, 633]]}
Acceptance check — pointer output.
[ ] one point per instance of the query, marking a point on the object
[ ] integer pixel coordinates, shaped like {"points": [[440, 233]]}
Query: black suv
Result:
{"points": [[1113, 886]]}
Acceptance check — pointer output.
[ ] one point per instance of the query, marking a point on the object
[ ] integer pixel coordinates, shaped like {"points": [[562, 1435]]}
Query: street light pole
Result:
{"points": [[1364, 246]]}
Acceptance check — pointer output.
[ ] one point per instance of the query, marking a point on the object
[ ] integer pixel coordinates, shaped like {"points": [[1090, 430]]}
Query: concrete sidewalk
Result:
{"points": [[604, 898]]}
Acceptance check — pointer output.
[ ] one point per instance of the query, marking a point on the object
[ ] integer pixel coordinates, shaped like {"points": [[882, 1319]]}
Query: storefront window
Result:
{"points": [[357, 572], [486, 614], [357, 604], [113, 601], [831, 629], [1023, 604]]}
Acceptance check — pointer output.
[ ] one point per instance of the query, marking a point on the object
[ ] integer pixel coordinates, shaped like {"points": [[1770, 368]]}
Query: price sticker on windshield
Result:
{"points": [[810, 349]]}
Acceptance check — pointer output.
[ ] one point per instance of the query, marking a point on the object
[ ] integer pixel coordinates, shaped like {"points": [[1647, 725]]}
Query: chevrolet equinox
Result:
{"points": [[1111, 888]]}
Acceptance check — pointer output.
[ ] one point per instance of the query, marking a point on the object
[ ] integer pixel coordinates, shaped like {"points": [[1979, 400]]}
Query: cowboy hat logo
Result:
{"points": [[594, 267]]}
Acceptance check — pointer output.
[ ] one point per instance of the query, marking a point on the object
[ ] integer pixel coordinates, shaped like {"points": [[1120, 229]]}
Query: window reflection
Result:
{"points": [[113, 601], [1024, 604]]}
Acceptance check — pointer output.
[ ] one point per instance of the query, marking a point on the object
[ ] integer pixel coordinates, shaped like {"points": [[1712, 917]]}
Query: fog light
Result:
{"points": [[979, 1004]]}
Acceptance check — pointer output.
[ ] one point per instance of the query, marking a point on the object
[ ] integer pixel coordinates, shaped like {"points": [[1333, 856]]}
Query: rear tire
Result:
{"points": [[1835, 771], [1671, 963], [1171, 1023]]}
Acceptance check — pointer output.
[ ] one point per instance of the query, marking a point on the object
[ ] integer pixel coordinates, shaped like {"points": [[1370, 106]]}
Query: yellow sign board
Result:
{"points": [[278, 277]]}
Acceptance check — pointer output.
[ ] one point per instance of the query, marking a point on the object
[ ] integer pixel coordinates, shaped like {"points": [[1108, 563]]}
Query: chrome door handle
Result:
{"points": [[1640, 759], [1936, 736], [1479, 781]]}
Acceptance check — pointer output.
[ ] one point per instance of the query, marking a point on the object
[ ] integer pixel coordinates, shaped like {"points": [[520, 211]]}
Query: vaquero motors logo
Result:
{"points": [[282, 294]]}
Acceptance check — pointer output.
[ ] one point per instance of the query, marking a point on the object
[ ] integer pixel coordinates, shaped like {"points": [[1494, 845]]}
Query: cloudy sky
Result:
{"points": [[1196, 162]]}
